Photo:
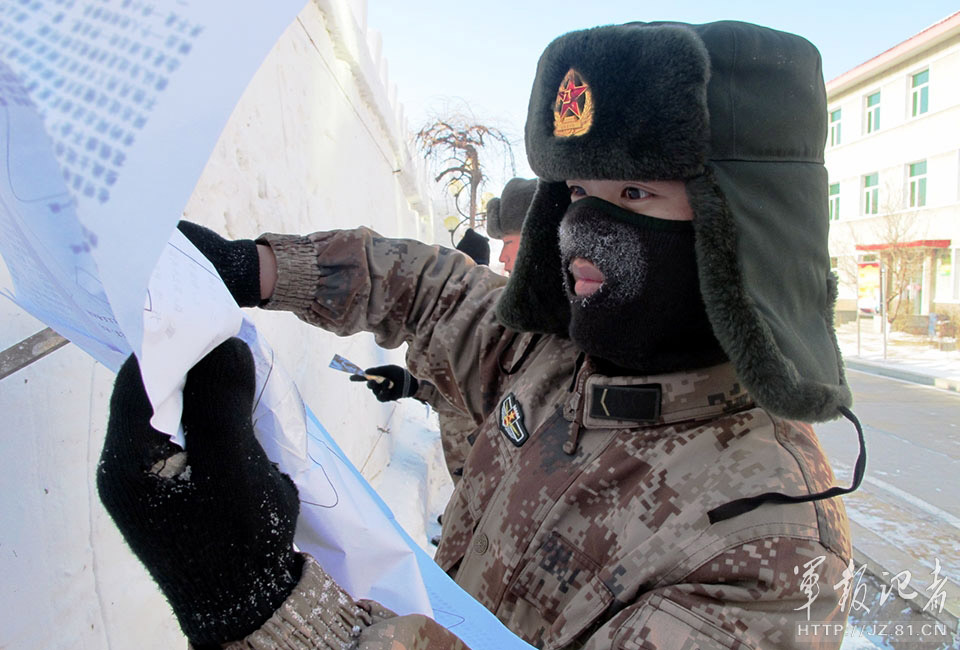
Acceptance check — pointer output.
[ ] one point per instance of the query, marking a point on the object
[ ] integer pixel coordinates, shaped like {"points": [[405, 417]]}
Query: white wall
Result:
{"points": [[314, 143]]}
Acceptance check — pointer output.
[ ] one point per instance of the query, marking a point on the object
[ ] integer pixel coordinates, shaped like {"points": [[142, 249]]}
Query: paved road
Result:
{"points": [[908, 499], [913, 439]]}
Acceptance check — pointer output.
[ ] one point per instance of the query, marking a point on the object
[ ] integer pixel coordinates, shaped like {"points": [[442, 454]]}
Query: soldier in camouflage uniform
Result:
{"points": [[646, 478], [393, 382], [505, 216]]}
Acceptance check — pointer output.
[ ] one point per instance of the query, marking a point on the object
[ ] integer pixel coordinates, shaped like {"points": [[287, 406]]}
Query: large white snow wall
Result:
{"points": [[316, 142]]}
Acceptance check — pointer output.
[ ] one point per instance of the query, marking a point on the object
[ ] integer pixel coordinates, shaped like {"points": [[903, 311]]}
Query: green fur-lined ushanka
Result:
{"points": [[738, 112], [505, 214]]}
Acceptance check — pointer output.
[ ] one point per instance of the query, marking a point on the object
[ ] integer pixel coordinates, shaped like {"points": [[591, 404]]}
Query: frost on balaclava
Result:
{"points": [[648, 314]]}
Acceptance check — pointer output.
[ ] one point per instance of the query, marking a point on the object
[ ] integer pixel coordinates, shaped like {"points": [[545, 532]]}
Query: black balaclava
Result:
{"points": [[648, 314]]}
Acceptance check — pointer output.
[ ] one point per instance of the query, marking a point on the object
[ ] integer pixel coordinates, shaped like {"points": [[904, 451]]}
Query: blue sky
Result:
{"points": [[485, 52]]}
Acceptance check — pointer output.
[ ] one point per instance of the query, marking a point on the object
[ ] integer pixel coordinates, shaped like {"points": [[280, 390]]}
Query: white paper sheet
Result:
{"points": [[185, 291], [44, 246], [96, 100], [112, 79], [60, 247]]}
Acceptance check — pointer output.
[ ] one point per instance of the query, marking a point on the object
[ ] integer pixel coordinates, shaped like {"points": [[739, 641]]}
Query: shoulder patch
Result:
{"points": [[511, 421]]}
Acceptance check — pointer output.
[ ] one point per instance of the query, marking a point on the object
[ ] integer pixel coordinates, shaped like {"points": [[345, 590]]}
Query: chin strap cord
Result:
{"points": [[740, 506]]}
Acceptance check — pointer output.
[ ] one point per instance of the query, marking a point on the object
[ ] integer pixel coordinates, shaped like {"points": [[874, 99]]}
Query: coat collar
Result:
{"points": [[640, 401]]}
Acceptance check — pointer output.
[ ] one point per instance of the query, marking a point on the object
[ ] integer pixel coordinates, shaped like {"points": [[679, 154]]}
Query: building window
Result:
{"points": [[834, 201], [918, 184], [871, 193], [834, 128], [873, 112], [919, 93]]}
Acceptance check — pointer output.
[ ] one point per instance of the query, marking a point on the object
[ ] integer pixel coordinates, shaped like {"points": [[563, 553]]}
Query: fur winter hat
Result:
{"points": [[476, 246], [738, 112], [505, 214]]}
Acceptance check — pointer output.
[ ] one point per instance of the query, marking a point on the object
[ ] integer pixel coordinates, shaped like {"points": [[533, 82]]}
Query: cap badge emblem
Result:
{"points": [[573, 109]]}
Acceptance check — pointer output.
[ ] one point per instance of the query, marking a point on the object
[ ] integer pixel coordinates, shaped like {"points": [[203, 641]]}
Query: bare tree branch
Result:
{"points": [[457, 142], [892, 238]]}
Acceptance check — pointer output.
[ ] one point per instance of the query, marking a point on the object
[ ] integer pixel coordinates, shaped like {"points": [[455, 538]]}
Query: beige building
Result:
{"points": [[893, 160]]}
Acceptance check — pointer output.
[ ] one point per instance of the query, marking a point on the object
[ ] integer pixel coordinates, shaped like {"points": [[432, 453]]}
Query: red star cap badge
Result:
{"points": [[567, 96]]}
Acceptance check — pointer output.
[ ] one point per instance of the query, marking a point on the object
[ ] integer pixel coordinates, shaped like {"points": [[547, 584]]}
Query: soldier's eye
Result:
{"points": [[634, 193], [577, 191]]}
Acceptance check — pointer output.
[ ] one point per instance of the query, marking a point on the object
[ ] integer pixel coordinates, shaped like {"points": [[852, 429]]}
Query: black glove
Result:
{"points": [[237, 261], [214, 524], [397, 382]]}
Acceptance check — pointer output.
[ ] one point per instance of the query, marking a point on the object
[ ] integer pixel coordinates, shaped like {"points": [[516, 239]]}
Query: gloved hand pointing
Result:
{"points": [[213, 524], [399, 382]]}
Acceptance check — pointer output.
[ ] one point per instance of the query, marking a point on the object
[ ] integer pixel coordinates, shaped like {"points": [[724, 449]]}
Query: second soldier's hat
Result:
{"points": [[505, 214]]}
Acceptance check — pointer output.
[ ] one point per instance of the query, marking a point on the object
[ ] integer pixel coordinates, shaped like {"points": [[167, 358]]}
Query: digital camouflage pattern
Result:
{"points": [[456, 427], [593, 533]]}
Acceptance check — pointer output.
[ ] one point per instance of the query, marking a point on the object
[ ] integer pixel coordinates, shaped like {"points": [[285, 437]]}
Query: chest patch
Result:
{"points": [[511, 421]]}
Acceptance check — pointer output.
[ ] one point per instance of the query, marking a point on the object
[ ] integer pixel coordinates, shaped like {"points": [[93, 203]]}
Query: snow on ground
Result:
{"points": [[929, 355], [415, 483]]}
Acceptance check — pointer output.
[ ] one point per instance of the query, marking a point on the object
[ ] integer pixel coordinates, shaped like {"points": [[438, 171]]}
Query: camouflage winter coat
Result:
{"points": [[455, 426], [581, 516]]}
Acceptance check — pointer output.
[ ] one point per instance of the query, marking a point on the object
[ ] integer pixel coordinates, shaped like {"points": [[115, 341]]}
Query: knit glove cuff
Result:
{"points": [[317, 614], [237, 261]]}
